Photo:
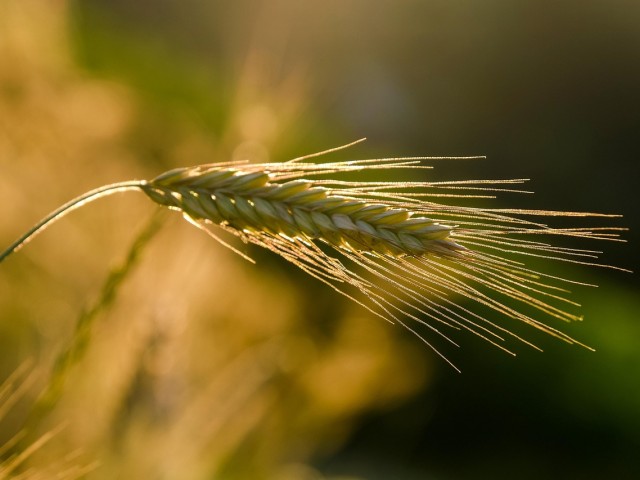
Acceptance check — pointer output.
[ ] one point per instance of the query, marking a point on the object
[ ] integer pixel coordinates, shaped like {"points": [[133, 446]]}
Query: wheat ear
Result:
{"points": [[410, 255]]}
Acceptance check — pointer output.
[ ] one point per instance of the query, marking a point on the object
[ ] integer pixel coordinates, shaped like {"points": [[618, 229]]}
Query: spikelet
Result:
{"points": [[255, 200], [393, 247]]}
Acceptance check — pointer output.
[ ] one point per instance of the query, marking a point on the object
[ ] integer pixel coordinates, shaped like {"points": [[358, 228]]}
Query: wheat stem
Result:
{"points": [[69, 207]]}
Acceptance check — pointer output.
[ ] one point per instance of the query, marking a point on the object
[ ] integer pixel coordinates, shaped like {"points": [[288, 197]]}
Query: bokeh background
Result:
{"points": [[199, 365]]}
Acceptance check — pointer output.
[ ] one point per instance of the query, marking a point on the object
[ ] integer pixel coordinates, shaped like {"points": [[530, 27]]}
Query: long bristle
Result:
{"points": [[409, 256]]}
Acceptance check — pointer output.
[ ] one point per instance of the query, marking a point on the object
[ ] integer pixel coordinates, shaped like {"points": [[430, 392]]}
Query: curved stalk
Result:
{"points": [[69, 207]]}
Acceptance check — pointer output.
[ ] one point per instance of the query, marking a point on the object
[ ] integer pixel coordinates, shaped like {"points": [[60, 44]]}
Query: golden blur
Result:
{"points": [[204, 366], [157, 353]]}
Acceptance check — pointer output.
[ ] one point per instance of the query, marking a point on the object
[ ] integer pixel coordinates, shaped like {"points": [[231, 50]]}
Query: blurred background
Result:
{"points": [[163, 355]]}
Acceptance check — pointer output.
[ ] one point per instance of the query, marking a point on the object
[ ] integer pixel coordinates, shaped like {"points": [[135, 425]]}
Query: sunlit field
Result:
{"points": [[133, 345]]}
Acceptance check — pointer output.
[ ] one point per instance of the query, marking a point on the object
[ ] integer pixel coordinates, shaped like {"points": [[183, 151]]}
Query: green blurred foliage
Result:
{"points": [[204, 366]]}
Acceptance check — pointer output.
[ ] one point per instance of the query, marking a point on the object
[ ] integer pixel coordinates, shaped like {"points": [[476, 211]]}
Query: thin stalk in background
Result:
{"points": [[74, 353]]}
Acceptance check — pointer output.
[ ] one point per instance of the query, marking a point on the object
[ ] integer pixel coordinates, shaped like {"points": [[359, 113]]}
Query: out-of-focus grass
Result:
{"points": [[249, 109], [207, 367]]}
